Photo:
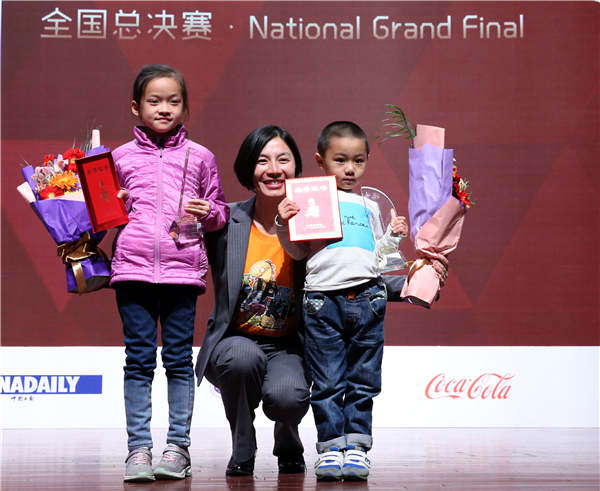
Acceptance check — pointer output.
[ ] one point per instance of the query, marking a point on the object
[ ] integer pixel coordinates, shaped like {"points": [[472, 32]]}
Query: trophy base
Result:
{"points": [[186, 231]]}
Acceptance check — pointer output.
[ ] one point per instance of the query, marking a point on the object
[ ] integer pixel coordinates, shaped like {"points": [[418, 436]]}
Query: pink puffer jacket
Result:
{"points": [[144, 250]]}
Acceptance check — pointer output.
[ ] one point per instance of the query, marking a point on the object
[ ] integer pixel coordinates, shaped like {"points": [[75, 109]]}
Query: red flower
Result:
{"points": [[72, 154], [48, 158], [459, 188], [71, 166], [51, 192]]}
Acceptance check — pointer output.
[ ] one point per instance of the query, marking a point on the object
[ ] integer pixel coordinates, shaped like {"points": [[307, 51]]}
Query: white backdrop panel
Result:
{"points": [[58, 387]]}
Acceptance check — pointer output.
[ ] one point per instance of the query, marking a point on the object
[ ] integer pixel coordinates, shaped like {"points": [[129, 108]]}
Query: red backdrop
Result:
{"points": [[521, 113]]}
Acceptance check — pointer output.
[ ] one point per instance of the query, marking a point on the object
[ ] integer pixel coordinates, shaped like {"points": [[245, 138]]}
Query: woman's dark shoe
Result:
{"points": [[240, 469], [294, 465]]}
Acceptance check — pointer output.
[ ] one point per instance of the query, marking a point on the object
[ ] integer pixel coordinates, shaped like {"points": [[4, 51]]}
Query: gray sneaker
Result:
{"points": [[138, 466], [174, 464]]}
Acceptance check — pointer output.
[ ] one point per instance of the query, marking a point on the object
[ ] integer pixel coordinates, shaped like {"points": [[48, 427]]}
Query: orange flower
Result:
{"points": [[66, 181]]}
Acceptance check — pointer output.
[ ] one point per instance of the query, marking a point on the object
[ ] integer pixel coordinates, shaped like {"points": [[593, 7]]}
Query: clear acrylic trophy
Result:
{"points": [[389, 257], [186, 230]]}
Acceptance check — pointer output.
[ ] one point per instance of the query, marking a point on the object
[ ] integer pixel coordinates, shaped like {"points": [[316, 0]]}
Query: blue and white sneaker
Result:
{"points": [[356, 464], [328, 466]]}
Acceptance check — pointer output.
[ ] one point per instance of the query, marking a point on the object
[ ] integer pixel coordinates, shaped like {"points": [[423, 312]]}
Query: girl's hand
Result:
{"points": [[399, 224], [123, 194], [197, 207], [287, 209]]}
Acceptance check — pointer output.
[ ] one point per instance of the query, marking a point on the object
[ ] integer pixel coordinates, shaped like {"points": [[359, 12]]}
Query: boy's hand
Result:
{"points": [[286, 210], [197, 207], [123, 194], [399, 224], [441, 269]]}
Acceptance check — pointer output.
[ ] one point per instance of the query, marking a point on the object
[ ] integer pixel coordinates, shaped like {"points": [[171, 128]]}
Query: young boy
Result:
{"points": [[344, 307]]}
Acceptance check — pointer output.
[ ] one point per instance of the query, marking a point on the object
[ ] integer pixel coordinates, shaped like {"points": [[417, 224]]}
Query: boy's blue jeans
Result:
{"points": [[343, 351], [141, 305]]}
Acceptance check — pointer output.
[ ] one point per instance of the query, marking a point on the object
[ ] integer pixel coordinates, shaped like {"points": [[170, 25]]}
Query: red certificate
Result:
{"points": [[319, 215], [100, 184]]}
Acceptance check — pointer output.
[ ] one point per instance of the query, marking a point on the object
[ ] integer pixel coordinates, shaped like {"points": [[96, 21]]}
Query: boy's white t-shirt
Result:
{"points": [[344, 263]]}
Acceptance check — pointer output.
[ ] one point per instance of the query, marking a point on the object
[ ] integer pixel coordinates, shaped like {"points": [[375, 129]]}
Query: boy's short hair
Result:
{"points": [[247, 156], [340, 129]]}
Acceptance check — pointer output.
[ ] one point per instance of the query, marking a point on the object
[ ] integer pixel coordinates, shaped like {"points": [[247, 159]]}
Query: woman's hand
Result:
{"points": [[123, 194], [197, 207], [286, 210]]}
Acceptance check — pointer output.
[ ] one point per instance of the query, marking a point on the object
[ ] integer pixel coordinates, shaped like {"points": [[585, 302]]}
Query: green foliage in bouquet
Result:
{"points": [[396, 124], [86, 138]]}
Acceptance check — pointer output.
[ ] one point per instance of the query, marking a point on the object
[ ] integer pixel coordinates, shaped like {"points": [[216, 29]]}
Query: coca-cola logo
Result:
{"points": [[485, 386]]}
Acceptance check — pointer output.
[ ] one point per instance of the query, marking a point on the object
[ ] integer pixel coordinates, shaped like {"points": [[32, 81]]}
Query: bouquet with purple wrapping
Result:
{"points": [[436, 205], [54, 194], [436, 215]]}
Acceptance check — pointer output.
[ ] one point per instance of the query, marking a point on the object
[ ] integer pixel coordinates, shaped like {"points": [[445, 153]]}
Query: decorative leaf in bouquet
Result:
{"points": [[396, 125]]}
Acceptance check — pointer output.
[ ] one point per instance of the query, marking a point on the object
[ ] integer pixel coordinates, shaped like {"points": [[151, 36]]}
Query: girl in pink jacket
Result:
{"points": [[155, 273]]}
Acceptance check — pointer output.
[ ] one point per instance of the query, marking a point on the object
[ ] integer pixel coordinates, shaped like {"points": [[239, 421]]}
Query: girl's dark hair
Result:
{"points": [[340, 129], [150, 72], [247, 156]]}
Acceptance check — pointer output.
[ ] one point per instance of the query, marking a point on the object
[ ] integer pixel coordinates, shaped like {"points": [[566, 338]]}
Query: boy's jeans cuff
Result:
{"points": [[359, 440], [339, 442]]}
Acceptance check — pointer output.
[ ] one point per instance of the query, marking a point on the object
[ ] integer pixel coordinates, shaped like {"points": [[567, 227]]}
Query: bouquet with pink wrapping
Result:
{"points": [[436, 206]]}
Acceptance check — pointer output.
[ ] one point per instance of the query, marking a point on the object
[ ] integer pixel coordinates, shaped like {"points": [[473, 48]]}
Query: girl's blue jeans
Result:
{"points": [[141, 305], [343, 351]]}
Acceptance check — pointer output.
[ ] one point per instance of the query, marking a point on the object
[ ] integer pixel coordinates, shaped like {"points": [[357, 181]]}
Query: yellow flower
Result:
{"points": [[67, 181]]}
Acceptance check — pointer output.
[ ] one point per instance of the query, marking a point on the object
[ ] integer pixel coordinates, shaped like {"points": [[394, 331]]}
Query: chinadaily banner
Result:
{"points": [[514, 85]]}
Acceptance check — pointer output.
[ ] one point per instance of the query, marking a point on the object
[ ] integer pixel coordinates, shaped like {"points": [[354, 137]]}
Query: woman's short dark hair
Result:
{"points": [[247, 156], [149, 73]]}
